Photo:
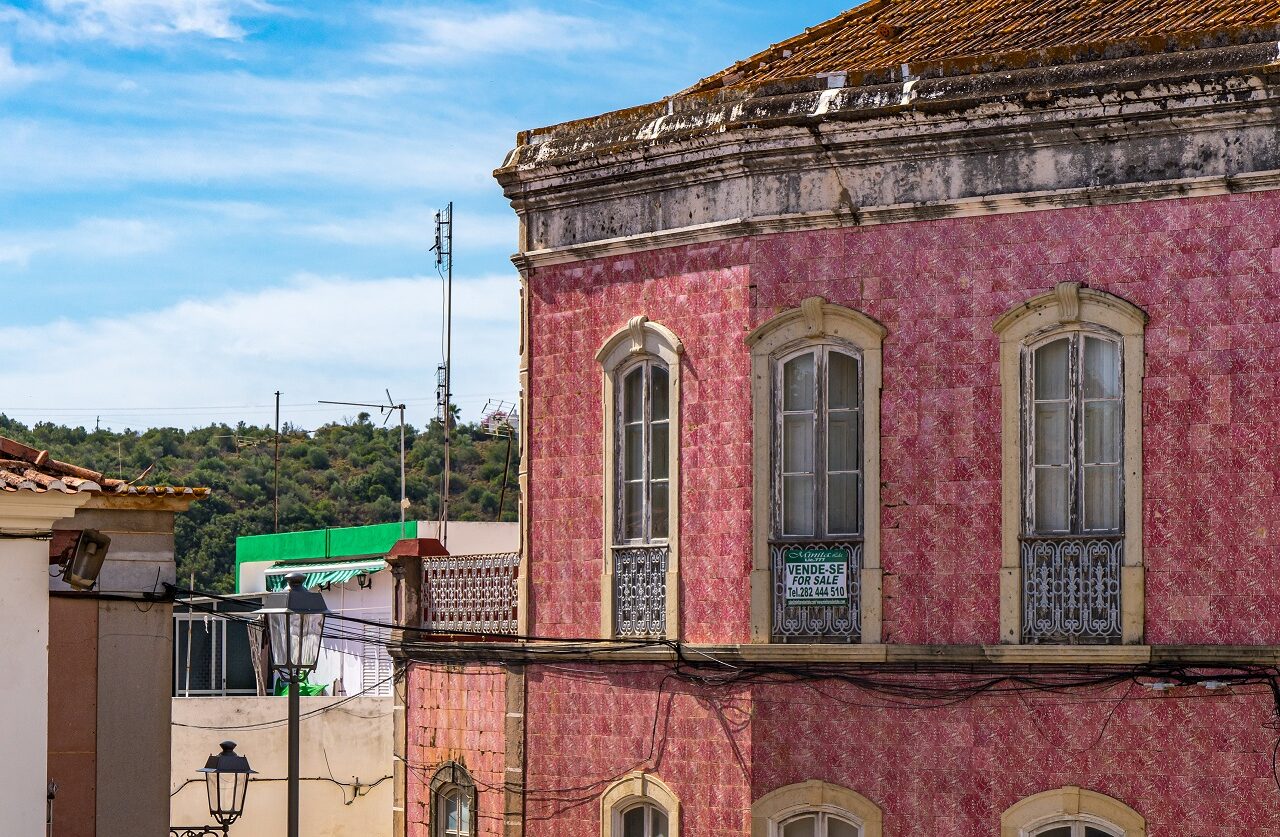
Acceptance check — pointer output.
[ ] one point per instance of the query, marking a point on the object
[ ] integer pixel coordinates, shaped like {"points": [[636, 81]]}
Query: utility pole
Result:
{"points": [[276, 492], [444, 396]]}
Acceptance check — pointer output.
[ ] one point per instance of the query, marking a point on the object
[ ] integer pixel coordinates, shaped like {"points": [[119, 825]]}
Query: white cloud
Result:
{"points": [[433, 34], [133, 22], [93, 237], [50, 155], [314, 338], [14, 75]]}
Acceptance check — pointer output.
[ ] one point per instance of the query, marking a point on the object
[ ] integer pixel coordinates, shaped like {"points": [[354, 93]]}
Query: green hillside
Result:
{"points": [[336, 475]]}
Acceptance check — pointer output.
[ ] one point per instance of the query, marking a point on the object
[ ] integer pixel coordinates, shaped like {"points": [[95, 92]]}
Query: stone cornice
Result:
{"points": [[901, 213]]}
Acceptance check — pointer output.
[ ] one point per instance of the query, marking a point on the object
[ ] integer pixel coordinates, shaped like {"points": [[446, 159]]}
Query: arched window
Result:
{"points": [[1071, 812], [644, 819], [453, 802], [819, 824], [1071, 379], [1075, 829], [816, 403], [641, 365], [815, 809], [639, 805]]}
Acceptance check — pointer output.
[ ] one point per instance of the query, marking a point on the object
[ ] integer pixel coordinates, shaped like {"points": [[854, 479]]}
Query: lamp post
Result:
{"points": [[295, 620], [226, 777]]}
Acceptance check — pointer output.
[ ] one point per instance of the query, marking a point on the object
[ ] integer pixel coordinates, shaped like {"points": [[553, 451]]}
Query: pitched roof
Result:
{"points": [[884, 34], [23, 468]]}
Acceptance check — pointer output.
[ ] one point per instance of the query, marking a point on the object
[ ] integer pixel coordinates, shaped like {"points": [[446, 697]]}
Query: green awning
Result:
{"points": [[334, 572]]}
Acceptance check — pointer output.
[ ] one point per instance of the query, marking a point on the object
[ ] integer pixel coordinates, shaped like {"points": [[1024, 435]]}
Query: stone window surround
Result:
{"points": [[637, 786], [640, 337], [1073, 804], [813, 321], [1068, 308], [814, 795]]}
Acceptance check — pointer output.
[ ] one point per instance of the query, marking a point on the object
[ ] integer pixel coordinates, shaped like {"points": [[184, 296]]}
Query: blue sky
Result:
{"points": [[203, 201]]}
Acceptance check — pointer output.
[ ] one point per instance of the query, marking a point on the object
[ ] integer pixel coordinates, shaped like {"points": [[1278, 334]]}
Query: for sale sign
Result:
{"points": [[816, 576]]}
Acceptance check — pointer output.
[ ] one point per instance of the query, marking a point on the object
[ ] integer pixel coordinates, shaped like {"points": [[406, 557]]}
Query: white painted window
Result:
{"points": [[818, 824], [1074, 407], [643, 820], [643, 453], [455, 813], [818, 443]]}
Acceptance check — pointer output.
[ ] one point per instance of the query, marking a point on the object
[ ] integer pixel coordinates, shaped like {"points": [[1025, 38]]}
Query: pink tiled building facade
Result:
{"points": [[899, 430]]}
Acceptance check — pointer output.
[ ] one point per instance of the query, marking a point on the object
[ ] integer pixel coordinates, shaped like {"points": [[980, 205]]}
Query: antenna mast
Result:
{"points": [[444, 265], [386, 410]]}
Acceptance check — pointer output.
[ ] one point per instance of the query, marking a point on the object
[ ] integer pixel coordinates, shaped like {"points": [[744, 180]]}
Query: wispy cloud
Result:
{"points": [[13, 75], [315, 337], [435, 34], [413, 226], [97, 237], [134, 22]]}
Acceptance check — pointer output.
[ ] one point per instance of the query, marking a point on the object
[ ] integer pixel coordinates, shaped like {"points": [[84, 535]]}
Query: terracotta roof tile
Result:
{"points": [[884, 34], [23, 468]]}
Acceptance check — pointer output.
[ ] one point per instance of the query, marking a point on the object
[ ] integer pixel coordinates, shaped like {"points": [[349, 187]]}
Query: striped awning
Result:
{"points": [[334, 572]]}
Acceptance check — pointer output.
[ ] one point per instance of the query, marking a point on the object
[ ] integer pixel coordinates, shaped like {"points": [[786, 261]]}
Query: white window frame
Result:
{"points": [[814, 322], [646, 367], [639, 340], [771, 811], [821, 350], [449, 779], [1078, 825], [1070, 307]]}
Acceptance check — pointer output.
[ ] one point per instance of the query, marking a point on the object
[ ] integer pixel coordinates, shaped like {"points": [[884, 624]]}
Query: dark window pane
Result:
{"points": [[1060, 831], [633, 512], [1052, 500], [797, 383], [843, 510], [842, 377], [659, 453], [801, 827], [843, 448], [633, 395], [661, 392], [1102, 498], [1102, 432], [798, 505], [840, 828], [1052, 363], [240, 674], [660, 494], [633, 452], [1053, 434], [798, 444], [633, 822], [659, 823], [1101, 368]]}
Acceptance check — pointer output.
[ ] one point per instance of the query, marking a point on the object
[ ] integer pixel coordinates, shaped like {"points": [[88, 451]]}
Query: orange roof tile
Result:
{"points": [[23, 468], [883, 34]]}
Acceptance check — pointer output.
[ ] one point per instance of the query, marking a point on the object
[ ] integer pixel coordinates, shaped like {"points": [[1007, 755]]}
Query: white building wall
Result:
{"points": [[24, 688]]}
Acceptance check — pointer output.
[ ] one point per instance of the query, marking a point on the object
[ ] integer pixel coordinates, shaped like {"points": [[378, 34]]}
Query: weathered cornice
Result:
{"points": [[794, 156]]}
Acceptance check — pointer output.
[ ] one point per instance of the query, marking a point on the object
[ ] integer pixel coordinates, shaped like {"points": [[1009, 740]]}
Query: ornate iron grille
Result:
{"points": [[640, 590], [817, 623], [473, 593], [1071, 589]]}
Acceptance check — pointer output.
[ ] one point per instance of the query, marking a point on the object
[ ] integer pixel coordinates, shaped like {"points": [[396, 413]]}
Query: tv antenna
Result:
{"points": [[501, 420], [443, 248], [385, 410]]}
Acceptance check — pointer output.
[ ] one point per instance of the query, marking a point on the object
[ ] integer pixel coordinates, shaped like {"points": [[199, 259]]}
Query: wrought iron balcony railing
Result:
{"points": [[640, 590], [471, 593], [817, 591], [1071, 589]]}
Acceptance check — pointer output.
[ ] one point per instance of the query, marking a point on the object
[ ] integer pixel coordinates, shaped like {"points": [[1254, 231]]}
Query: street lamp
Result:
{"points": [[295, 621], [226, 777]]}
